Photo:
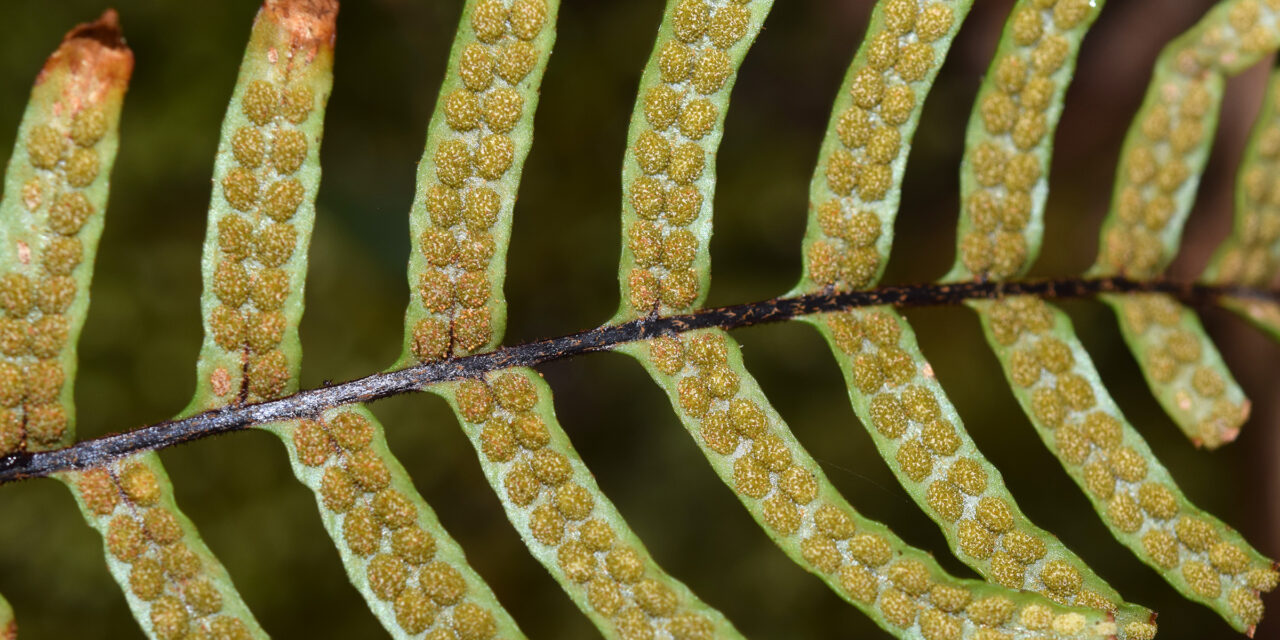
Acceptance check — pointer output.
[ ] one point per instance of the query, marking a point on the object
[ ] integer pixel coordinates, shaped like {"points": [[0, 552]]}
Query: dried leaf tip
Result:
{"points": [[105, 31], [96, 57], [310, 22]]}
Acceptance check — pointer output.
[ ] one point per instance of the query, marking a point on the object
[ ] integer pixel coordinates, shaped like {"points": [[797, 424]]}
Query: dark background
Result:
{"points": [[140, 343]]}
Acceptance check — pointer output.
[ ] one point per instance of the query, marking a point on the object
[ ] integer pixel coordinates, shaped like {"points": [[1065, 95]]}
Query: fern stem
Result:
{"points": [[309, 403]]}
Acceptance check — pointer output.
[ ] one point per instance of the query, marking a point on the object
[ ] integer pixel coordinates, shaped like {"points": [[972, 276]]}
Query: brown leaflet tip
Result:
{"points": [[10, 631], [105, 30], [95, 56], [310, 22]]}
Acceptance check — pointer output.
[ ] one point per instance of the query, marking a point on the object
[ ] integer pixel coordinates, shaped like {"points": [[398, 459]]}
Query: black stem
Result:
{"points": [[311, 402]]}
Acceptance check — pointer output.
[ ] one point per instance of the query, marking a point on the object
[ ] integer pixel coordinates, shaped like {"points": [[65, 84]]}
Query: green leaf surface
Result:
{"points": [[1250, 255], [411, 573], [173, 583], [1182, 367], [1163, 158], [898, 586], [669, 169], [915, 427], [855, 191], [1059, 389], [477, 141], [564, 518], [1004, 177]]}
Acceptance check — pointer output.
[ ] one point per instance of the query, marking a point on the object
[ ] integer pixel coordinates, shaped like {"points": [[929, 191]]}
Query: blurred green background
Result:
{"points": [[140, 343]]}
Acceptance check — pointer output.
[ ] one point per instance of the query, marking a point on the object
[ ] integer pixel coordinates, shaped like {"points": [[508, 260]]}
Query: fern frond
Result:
{"points": [[1261, 313], [51, 217], [1010, 138], [1054, 379], [1055, 382], [1167, 145], [890, 383], [854, 194], [155, 549], [1251, 254], [748, 444], [266, 174], [668, 172], [477, 141], [55, 193], [174, 584], [414, 577], [1164, 154], [461, 220], [755, 454], [1182, 367], [412, 574], [566, 521], [920, 435]]}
